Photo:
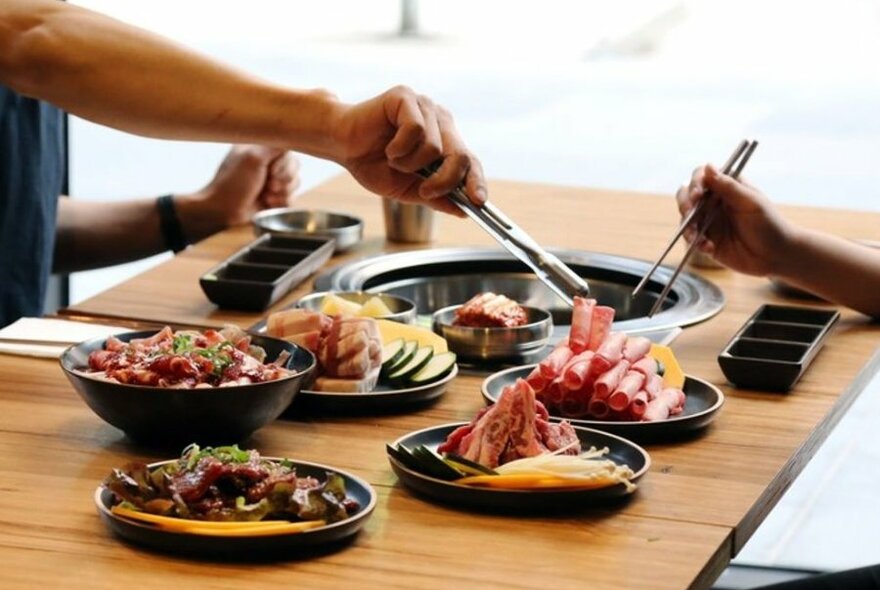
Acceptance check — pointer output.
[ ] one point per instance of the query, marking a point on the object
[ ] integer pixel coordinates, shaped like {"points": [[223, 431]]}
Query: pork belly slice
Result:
{"points": [[291, 322], [338, 385], [351, 349], [348, 348]]}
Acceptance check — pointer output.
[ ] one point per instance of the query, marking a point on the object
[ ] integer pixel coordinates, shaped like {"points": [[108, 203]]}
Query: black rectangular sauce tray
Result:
{"points": [[775, 346], [265, 270]]}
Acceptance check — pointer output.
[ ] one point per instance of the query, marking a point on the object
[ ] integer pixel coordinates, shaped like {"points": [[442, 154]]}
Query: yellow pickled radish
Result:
{"points": [[392, 330], [673, 375], [333, 304], [374, 308]]}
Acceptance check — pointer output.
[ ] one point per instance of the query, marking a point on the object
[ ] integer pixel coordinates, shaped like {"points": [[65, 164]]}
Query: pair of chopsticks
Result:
{"points": [[733, 167]]}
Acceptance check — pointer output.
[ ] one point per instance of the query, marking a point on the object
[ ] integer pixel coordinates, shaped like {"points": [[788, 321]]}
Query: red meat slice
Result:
{"points": [[515, 427]]}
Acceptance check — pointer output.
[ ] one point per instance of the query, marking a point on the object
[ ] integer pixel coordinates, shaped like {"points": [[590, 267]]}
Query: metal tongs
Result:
{"points": [[553, 272], [741, 154]]}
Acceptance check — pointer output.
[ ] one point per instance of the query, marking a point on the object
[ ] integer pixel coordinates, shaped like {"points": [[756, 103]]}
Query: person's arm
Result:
{"points": [[833, 268], [92, 234], [749, 235], [119, 75]]}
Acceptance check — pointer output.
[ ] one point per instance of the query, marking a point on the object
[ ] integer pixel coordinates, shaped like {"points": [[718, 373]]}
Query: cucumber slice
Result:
{"points": [[661, 368], [466, 465], [419, 360], [433, 464], [438, 367], [405, 456], [392, 352], [409, 350]]}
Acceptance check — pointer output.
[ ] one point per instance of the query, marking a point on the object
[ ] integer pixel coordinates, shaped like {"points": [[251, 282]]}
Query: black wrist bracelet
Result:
{"points": [[169, 223]]}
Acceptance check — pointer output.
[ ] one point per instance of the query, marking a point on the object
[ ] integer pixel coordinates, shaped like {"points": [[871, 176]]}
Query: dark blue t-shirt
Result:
{"points": [[32, 161]]}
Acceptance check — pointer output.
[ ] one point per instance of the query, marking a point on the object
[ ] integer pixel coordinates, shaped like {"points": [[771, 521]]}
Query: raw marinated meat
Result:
{"points": [[515, 427], [488, 310]]}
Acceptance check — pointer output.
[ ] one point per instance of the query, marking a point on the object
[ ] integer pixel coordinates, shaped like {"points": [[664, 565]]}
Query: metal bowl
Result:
{"points": [[346, 230], [494, 343], [403, 309]]}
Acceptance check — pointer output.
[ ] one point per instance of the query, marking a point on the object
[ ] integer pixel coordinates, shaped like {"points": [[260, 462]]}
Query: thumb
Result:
{"points": [[266, 153], [729, 190]]}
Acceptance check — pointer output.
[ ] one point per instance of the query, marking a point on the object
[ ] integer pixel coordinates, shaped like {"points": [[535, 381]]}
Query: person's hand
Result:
{"points": [[745, 232], [386, 140], [251, 178]]}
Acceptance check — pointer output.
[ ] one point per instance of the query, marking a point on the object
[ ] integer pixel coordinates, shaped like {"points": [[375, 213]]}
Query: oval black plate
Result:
{"points": [[620, 450], [244, 547], [704, 400], [380, 399]]}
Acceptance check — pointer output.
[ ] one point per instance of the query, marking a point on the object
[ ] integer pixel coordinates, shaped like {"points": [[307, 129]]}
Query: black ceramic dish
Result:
{"points": [[449, 492], [179, 416], [265, 270], [704, 401], [383, 398], [258, 547], [775, 346]]}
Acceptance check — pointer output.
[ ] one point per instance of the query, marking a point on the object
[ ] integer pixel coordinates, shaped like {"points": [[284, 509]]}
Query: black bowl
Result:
{"points": [[174, 416]]}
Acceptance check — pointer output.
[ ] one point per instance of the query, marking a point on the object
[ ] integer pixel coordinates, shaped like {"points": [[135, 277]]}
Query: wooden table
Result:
{"points": [[699, 504]]}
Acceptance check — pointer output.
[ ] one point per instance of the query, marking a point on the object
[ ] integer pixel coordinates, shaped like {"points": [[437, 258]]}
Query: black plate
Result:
{"points": [[292, 544], [704, 400], [620, 450], [382, 398]]}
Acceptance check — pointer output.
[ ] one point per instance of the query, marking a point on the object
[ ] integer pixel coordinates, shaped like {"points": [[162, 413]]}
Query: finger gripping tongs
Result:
{"points": [[553, 272]]}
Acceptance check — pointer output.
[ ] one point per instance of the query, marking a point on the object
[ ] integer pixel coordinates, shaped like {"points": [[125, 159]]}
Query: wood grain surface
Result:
{"points": [[703, 498]]}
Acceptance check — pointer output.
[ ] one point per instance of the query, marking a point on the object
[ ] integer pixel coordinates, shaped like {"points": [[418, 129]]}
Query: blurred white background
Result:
{"points": [[629, 94]]}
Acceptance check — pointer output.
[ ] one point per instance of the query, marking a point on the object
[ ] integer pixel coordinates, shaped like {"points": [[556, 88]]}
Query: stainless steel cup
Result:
{"points": [[408, 222]]}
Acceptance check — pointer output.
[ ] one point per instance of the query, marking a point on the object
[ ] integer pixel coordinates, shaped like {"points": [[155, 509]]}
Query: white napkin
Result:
{"points": [[49, 337]]}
